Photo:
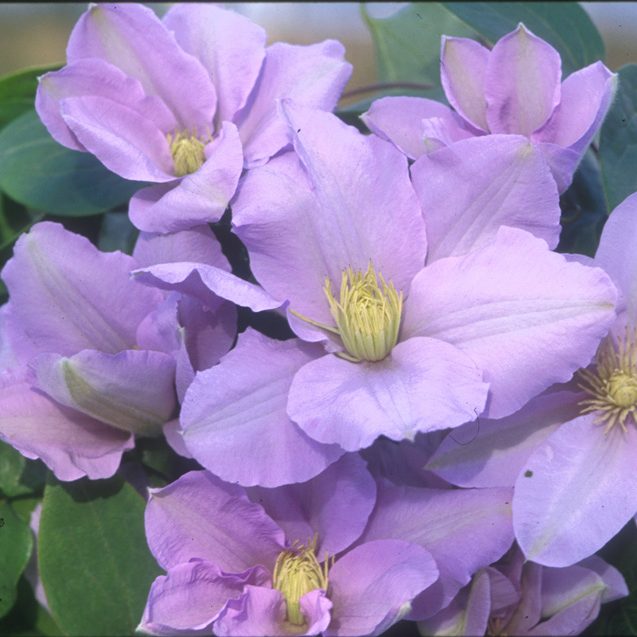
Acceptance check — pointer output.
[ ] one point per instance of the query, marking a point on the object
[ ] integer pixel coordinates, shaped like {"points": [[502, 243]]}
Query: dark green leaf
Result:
{"points": [[565, 25], [95, 566], [117, 233], [618, 140], [17, 92], [14, 220], [40, 173], [18, 476], [16, 544]]}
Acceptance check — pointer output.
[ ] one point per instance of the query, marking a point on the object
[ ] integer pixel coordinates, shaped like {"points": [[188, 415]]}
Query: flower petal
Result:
{"points": [[423, 385], [509, 306], [470, 189], [522, 83], [243, 399]]}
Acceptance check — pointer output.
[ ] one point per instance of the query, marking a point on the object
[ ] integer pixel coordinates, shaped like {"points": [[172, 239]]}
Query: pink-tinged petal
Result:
{"points": [[617, 255], [464, 530], [124, 34], [313, 75], [206, 283], [124, 141], [200, 517], [201, 197], [400, 120], [423, 385], [262, 611], [612, 578], [586, 96], [67, 296], [372, 585], [70, 444], [243, 399], [513, 306], [228, 45], [335, 505], [562, 162], [522, 83], [576, 492], [190, 597], [94, 77], [463, 66], [470, 189], [467, 614], [491, 453], [132, 390]]}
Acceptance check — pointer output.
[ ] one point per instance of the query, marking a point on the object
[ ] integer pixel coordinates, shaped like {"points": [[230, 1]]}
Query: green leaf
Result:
{"points": [[94, 563], [16, 544], [17, 92], [18, 476], [14, 220], [565, 25], [117, 233], [618, 140], [40, 173]]}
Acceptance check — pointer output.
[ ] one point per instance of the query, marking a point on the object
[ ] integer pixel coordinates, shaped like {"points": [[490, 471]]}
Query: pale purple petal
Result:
{"points": [[132, 390], [617, 255], [70, 444], [159, 329], [463, 66], [562, 162], [491, 453], [335, 505], [68, 296], [470, 189], [522, 83], [230, 406], [513, 307], [122, 139], [529, 610], [313, 75], [94, 77], [423, 385], [586, 97], [576, 492], [174, 438], [123, 35], [400, 120], [372, 585], [613, 579], [200, 517], [308, 220], [227, 44], [198, 198]]}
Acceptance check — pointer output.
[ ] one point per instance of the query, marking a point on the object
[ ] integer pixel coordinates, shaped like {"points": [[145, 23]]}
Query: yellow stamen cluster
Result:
{"points": [[187, 151], [297, 572], [612, 387]]}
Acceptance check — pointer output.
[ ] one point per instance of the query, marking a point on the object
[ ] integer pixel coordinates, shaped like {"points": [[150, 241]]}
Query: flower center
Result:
{"points": [[187, 152], [612, 387], [297, 572]]}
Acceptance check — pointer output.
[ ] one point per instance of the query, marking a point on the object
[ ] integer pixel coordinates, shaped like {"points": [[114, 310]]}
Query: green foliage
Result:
{"points": [[16, 544], [41, 174], [95, 566], [18, 476], [117, 233], [618, 140]]}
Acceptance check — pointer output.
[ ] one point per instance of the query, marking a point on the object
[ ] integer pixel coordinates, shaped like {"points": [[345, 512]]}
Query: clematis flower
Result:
{"points": [[514, 88], [184, 103], [285, 568], [571, 451], [90, 354], [517, 598]]}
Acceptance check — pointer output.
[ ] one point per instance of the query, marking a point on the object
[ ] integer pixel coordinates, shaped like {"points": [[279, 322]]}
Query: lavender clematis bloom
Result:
{"points": [[512, 89], [570, 453], [517, 598], [185, 102], [237, 569]]}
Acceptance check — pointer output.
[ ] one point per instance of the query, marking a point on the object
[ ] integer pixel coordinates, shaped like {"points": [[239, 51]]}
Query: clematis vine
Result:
{"points": [[184, 103], [514, 89], [571, 451], [264, 563]]}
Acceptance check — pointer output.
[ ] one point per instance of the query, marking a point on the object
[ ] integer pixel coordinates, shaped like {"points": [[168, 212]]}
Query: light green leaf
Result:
{"points": [[94, 562], [40, 173]]}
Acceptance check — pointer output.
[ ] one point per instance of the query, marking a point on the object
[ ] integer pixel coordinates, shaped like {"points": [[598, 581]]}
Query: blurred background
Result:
{"points": [[35, 34]]}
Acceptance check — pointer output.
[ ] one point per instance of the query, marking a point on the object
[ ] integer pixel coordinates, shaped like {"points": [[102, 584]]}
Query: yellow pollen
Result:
{"points": [[187, 151], [297, 572], [612, 387]]}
